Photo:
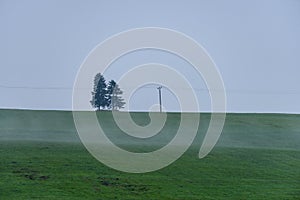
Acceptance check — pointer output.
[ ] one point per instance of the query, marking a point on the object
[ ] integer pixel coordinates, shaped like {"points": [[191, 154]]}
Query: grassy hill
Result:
{"points": [[256, 157]]}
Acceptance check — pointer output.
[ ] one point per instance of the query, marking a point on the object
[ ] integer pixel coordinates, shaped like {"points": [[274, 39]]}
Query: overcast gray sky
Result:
{"points": [[255, 45]]}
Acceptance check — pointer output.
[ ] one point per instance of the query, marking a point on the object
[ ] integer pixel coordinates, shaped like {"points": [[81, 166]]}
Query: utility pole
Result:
{"points": [[159, 98]]}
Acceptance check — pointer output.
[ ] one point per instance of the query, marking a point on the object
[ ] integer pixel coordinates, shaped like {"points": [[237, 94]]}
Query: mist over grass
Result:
{"points": [[272, 131]]}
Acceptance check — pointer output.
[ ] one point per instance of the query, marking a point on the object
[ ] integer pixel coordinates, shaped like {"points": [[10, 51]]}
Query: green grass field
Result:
{"points": [[256, 157]]}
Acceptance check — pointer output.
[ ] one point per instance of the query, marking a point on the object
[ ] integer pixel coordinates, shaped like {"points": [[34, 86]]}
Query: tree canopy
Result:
{"points": [[115, 100], [106, 96]]}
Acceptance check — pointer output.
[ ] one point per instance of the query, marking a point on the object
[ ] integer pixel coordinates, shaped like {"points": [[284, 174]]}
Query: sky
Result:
{"points": [[254, 44]]}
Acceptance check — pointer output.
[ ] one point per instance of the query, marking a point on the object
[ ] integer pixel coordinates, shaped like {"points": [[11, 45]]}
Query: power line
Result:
{"points": [[238, 91], [35, 88]]}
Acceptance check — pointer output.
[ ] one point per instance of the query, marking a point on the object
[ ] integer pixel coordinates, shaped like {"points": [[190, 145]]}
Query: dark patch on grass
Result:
{"points": [[30, 174], [44, 177], [116, 182]]}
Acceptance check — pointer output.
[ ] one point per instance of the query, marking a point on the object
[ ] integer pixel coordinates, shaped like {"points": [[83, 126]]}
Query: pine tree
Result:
{"points": [[99, 94], [115, 101]]}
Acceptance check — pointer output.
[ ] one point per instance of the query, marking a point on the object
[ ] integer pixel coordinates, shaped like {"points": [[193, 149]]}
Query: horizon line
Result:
{"points": [[145, 111]]}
